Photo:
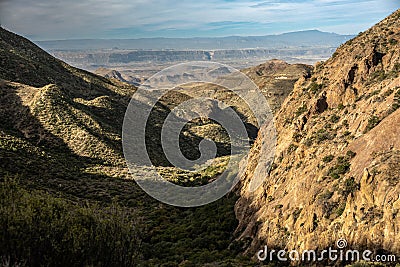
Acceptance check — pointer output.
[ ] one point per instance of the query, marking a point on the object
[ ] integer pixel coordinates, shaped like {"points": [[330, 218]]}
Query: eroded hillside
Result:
{"points": [[336, 169], [66, 196]]}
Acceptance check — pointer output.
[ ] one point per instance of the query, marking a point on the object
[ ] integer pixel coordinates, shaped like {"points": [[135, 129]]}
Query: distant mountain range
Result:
{"points": [[309, 38]]}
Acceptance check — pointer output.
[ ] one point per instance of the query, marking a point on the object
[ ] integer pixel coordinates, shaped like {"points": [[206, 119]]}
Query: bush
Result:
{"points": [[350, 154], [292, 148], [350, 186], [301, 110], [396, 101], [340, 209], [342, 166], [328, 158], [393, 41], [326, 195], [334, 118], [315, 87], [322, 135], [346, 133], [372, 122], [308, 142], [297, 137], [43, 230], [378, 76]]}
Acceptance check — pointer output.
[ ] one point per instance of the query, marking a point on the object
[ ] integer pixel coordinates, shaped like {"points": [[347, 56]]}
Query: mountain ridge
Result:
{"points": [[202, 43], [335, 174]]}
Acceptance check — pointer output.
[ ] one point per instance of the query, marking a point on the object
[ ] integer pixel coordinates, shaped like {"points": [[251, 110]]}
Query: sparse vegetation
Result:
{"points": [[393, 41], [315, 87], [301, 110], [372, 122], [373, 93], [297, 137], [350, 154], [308, 142], [334, 118], [326, 195], [396, 100], [322, 135], [378, 76], [72, 205], [350, 186], [328, 158], [296, 213], [342, 167], [292, 148], [340, 209], [388, 93], [346, 133]]}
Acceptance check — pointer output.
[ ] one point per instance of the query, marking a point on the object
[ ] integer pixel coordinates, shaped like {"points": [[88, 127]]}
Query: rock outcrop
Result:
{"points": [[337, 164]]}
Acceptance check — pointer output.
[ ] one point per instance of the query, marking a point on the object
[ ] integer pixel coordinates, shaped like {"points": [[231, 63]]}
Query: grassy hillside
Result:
{"points": [[67, 198]]}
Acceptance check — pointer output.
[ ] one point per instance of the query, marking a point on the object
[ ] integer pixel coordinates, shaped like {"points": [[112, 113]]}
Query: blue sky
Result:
{"points": [[58, 19]]}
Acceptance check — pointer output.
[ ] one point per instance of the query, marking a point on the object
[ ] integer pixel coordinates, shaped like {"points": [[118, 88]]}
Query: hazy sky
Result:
{"points": [[57, 19]]}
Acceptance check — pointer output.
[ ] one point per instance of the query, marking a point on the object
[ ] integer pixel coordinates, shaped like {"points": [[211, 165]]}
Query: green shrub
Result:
{"points": [[301, 110], [44, 230], [350, 186], [396, 100], [297, 136], [346, 133], [292, 148], [322, 135], [308, 142], [326, 195], [393, 41], [315, 87], [328, 158], [296, 214], [373, 93], [388, 93], [334, 118], [340, 209], [350, 154], [372, 122], [342, 166]]}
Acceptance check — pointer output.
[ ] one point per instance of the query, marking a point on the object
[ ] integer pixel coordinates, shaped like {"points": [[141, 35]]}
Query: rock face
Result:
{"points": [[276, 79], [114, 74], [337, 164]]}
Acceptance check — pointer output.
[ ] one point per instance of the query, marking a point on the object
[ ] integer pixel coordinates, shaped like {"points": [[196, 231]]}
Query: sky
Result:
{"points": [[108, 19]]}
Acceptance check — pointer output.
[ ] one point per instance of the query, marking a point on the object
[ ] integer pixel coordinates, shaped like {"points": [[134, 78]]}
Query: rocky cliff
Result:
{"points": [[337, 164]]}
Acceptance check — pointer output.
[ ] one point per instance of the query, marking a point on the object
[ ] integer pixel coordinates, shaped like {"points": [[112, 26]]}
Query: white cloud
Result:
{"points": [[94, 18]]}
